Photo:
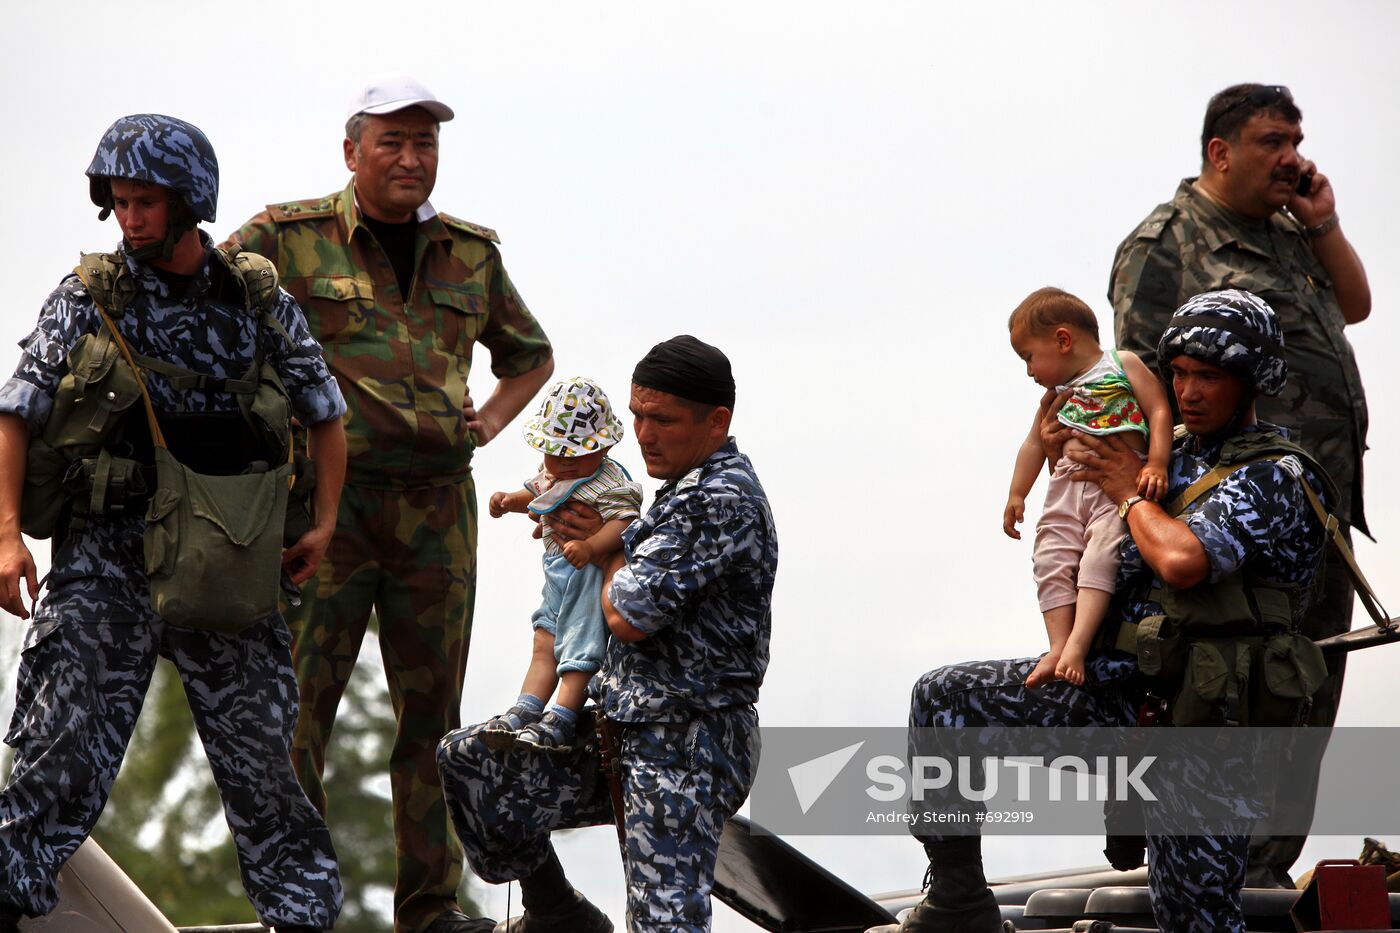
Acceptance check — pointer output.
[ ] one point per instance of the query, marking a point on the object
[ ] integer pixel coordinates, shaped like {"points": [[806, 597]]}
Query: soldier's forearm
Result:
{"points": [[327, 442], [14, 450], [1349, 281], [509, 398]]}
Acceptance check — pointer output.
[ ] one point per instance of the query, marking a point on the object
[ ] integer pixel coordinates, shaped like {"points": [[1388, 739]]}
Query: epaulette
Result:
{"points": [[689, 480], [310, 209], [486, 233], [1156, 222]]}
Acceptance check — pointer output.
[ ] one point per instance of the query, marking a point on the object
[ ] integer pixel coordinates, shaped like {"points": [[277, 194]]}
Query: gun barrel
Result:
{"points": [[1360, 638]]}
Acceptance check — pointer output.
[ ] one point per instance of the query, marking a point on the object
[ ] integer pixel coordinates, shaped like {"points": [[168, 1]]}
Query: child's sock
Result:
{"points": [[528, 709], [567, 719]]}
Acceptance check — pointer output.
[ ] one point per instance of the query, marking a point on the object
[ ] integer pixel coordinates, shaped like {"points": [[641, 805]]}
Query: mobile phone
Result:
{"points": [[1305, 183]]}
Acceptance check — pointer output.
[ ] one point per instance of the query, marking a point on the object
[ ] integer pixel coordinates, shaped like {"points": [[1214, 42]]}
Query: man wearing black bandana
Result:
{"points": [[689, 611]]}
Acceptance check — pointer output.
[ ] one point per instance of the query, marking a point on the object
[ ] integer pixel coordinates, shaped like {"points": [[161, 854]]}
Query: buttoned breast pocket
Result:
{"points": [[338, 307], [459, 316]]}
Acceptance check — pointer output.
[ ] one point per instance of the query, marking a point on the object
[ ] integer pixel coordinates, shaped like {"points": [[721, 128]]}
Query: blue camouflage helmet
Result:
{"points": [[158, 150], [1233, 329]]}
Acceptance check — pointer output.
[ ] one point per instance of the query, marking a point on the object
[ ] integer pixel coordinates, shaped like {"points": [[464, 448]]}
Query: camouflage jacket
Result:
{"points": [[1192, 245], [402, 363], [699, 581], [1257, 517], [98, 571]]}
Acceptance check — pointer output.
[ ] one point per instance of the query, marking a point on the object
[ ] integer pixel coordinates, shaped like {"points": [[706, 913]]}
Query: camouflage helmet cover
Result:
{"points": [[1233, 329], [158, 150]]}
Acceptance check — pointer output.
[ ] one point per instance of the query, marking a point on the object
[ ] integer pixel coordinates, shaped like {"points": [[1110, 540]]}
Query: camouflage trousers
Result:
{"points": [[408, 556], [680, 782], [1193, 881], [1271, 857], [78, 693]]}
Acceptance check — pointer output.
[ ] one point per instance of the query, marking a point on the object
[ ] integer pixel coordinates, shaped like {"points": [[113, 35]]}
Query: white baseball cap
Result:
{"points": [[389, 93]]}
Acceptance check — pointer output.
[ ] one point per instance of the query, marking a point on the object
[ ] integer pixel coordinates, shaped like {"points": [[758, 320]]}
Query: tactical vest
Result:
{"points": [[94, 456], [1230, 652]]}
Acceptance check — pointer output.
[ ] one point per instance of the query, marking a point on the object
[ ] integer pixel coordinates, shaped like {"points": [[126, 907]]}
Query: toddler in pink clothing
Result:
{"points": [[1077, 538]]}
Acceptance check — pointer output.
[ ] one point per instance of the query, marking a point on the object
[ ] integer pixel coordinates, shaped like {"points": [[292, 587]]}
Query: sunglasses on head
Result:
{"points": [[1259, 98]]}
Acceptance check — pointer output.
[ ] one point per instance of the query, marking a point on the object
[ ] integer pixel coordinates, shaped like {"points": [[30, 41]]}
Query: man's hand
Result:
{"points": [[479, 426], [1152, 483], [1319, 204], [578, 553], [1053, 432], [302, 559], [17, 563], [1110, 462], [1015, 514], [574, 521]]}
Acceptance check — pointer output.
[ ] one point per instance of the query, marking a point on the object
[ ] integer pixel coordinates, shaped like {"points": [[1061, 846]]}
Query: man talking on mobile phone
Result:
{"points": [[1262, 218]]}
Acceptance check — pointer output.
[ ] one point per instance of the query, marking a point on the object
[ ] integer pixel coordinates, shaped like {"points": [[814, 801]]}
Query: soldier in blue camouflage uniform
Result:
{"points": [[689, 615], [1244, 224], [1219, 351], [89, 653]]}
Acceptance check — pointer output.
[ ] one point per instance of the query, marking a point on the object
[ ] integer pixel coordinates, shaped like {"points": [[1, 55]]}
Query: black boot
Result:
{"points": [[553, 906], [10, 917], [958, 899]]}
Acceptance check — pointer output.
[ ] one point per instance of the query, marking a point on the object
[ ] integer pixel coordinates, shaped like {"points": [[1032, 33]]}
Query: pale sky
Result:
{"points": [[847, 198]]}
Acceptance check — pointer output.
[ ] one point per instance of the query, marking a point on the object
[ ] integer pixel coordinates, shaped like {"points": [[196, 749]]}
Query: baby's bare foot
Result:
{"points": [[1044, 670], [1071, 667]]}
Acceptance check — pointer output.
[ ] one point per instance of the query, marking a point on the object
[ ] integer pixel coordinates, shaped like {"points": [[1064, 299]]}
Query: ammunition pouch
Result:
{"points": [[268, 412], [1232, 680], [106, 486], [213, 545], [87, 417], [43, 499], [1290, 669], [1225, 654]]}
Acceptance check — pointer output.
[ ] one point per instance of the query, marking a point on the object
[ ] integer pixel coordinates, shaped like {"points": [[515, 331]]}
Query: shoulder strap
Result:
{"points": [[1339, 543], [1329, 522], [186, 380], [258, 274], [466, 226]]}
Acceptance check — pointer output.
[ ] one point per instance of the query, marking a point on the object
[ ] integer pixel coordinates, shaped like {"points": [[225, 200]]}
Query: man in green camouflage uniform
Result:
{"points": [[398, 294], [1251, 222]]}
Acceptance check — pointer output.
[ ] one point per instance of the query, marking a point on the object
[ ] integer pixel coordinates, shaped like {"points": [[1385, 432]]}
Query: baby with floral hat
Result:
{"points": [[573, 429]]}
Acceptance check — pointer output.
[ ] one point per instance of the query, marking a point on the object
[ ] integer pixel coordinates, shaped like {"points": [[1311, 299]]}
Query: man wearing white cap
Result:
{"points": [[398, 294]]}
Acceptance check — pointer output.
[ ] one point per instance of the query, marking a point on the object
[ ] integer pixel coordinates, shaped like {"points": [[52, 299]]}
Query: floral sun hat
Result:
{"points": [[575, 419]]}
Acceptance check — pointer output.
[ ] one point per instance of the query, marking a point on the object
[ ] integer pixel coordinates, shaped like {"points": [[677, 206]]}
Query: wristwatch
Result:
{"points": [[1126, 505]]}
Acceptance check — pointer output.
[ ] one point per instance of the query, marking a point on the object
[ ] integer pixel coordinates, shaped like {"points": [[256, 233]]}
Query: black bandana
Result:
{"points": [[689, 369]]}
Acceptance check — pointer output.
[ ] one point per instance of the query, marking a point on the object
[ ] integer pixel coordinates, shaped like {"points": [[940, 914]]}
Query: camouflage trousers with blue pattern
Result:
{"points": [[1193, 881], [78, 693], [680, 782]]}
